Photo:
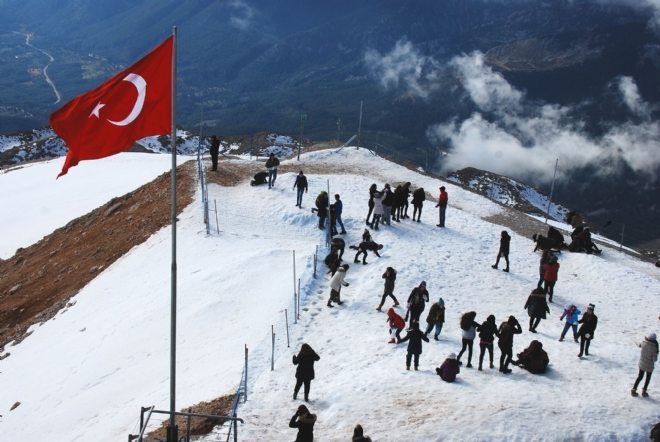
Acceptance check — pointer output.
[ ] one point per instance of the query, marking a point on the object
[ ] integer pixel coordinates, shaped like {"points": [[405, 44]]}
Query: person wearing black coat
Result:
{"points": [[487, 333], [537, 307], [372, 189], [358, 435], [545, 258], [505, 239], [586, 331], [418, 202], [322, 208], [301, 184], [389, 276], [305, 371], [271, 164], [333, 262], [414, 338], [507, 329], [533, 359], [337, 245], [417, 302], [304, 421], [214, 150]]}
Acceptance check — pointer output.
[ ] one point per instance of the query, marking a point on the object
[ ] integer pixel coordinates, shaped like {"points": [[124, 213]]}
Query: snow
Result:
{"points": [[36, 203], [107, 355]]}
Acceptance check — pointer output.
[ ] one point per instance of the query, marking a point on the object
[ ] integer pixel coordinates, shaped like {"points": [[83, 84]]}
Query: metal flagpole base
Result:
{"points": [[172, 434]]}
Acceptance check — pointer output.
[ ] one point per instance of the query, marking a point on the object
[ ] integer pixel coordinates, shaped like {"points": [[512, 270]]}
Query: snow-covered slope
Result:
{"points": [[85, 374]]}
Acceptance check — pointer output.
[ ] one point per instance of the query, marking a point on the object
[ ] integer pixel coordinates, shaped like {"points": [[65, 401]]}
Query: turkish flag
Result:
{"points": [[135, 103]]}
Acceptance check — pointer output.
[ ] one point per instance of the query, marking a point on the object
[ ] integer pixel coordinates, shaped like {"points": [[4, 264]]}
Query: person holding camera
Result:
{"points": [[304, 421]]}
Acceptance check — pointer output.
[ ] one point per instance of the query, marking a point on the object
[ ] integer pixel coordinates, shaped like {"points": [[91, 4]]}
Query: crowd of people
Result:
{"points": [[385, 206]]}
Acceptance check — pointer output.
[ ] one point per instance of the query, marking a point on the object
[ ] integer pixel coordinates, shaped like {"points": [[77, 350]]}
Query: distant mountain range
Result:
{"points": [[295, 66]]}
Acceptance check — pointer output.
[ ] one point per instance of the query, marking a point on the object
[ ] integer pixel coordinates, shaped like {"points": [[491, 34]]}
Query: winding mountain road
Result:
{"points": [[58, 97]]}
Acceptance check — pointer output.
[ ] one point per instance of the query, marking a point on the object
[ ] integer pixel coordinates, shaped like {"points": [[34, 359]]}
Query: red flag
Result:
{"points": [[135, 103]]}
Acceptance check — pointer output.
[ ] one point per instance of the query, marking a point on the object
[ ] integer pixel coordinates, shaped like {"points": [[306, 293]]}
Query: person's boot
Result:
{"points": [[633, 393], [329, 304], [645, 393], [494, 266], [506, 270]]}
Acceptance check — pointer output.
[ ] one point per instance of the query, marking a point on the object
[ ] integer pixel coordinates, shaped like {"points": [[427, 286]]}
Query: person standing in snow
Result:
{"points": [[537, 307], [388, 201], [339, 208], [545, 258], [389, 276], [468, 330], [378, 209], [358, 435], [487, 333], [571, 313], [435, 318], [550, 276], [397, 203], [396, 324], [589, 323], [271, 164], [404, 200], [321, 204], [449, 368], [337, 245], [443, 199], [505, 239], [372, 190], [301, 184], [414, 338], [336, 283], [304, 421], [646, 364], [417, 302], [506, 331], [305, 371], [214, 150], [418, 202]]}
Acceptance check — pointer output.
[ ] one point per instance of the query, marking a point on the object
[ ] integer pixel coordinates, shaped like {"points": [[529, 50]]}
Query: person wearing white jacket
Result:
{"points": [[647, 360], [336, 284]]}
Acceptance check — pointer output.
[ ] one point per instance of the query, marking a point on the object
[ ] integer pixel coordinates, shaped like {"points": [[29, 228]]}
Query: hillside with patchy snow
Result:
{"points": [[107, 355]]}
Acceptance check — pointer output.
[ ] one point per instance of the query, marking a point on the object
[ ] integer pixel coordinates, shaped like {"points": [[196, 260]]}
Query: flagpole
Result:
{"points": [[172, 431]]}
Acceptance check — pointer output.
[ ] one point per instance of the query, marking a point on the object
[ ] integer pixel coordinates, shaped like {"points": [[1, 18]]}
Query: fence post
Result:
{"points": [[286, 320], [272, 349], [298, 312], [188, 425], [316, 251], [246, 375]]}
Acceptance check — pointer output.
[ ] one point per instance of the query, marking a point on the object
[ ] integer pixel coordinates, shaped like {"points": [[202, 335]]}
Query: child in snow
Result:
{"points": [[536, 307], [396, 324], [589, 322], [449, 369], [304, 421], [506, 331], [389, 276], [487, 333], [571, 313], [647, 360], [415, 338], [305, 371], [336, 284], [468, 330], [505, 239], [435, 318]]}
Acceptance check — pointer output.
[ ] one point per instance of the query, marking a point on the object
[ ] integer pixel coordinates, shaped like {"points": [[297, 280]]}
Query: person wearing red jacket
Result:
{"points": [[550, 271], [442, 204], [396, 324]]}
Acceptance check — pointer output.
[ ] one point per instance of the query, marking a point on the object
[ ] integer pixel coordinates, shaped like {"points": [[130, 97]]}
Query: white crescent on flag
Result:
{"points": [[141, 86]]}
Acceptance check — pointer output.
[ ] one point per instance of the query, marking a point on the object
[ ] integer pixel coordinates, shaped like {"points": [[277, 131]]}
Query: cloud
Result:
{"points": [[244, 13], [513, 136], [632, 98], [405, 67]]}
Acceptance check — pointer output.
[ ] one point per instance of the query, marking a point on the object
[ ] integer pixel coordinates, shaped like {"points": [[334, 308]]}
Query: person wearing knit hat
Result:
{"points": [[646, 364], [449, 368], [589, 323], [436, 318]]}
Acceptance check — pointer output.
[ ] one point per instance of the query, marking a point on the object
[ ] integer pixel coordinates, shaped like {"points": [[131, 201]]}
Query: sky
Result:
{"points": [[107, 355]]}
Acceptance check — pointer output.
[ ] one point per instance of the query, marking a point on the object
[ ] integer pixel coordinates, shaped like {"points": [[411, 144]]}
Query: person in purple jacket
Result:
{"points": [[449, 369]]}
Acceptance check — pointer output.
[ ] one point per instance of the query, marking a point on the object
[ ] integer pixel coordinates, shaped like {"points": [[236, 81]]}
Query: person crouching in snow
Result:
{"points": [[414, 338], [533, 359], [646, 363], [336, 283], [396, 324], [449, 369]]}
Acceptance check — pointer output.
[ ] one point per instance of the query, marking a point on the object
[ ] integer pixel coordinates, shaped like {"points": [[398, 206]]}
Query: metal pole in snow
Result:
{"points": [[552, 189], [272, 348], [217, 226], [298, 312], [246, 375], [286, 320]]}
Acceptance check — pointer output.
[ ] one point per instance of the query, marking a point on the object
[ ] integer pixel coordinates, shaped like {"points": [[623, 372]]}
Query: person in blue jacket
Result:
{"points": [[339, 207], [572, 314]]}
